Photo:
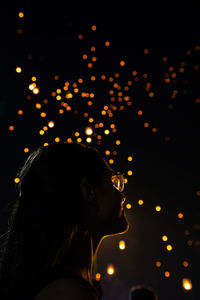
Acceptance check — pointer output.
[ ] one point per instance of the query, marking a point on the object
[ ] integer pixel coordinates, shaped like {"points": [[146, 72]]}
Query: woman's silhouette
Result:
{"points": [[69, 200]]}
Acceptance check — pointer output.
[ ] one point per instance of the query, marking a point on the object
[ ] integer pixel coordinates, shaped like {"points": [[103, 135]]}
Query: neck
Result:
{"points": [[81, 257]]}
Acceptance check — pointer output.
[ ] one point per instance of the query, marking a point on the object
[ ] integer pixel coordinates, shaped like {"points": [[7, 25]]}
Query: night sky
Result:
{"points": [[145, 81]]}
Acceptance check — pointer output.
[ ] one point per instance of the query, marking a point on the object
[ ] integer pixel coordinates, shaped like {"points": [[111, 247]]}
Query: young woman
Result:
{"points": [[69, 201]]}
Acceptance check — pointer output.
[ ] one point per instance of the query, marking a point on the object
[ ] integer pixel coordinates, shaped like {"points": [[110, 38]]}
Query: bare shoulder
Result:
{"points": [[66, 288]]}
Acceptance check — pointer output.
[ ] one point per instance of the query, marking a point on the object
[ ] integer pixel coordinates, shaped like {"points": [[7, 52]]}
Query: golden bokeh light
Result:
{"points": [[167, 274], [51, 124], [17, 180], [57, 139], [41, 132], [107, 131], [164, 238], [88, 140], [158, 208], [98, 276], [130, 173], [169, 247], [18, 70], [36, 90], [140, 202], [130, 158], [122, 245], [21, 14], [128, 206], [88, 131], [180, 216], [187, 284], [110, 270], [117, 142]]}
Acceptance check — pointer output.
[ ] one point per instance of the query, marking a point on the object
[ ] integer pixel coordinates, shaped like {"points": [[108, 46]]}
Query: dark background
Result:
{"points": [[165, 164]]}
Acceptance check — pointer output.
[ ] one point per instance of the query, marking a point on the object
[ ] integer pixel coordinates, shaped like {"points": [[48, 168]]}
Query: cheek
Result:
{"points": [[108, 207]]}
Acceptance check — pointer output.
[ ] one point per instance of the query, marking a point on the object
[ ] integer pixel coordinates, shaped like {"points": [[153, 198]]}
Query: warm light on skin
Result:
{"points": [[187, 284]]}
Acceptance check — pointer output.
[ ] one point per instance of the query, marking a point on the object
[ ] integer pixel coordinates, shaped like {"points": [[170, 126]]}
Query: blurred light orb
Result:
{"points": [[187, 284], [110, 270], [88, 131]]}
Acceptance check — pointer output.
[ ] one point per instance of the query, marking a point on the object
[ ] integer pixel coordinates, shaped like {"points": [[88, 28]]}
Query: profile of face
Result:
{"points": [[104, 206]]}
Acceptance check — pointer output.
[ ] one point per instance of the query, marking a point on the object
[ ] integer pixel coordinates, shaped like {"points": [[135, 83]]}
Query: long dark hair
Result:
{"points": [[48, 214]]}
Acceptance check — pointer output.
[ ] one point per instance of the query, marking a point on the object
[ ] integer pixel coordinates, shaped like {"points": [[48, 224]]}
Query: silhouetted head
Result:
{"points": [[65, 193], [142, 293]]}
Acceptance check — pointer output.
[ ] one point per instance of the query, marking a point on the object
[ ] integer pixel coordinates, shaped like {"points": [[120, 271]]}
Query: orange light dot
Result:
{"points": [[20, 112], [180, 216], [11, 128], [158, 264], [167, 274], [122, 63], [140, 112], [93, 49], [17, 180], [98, 276], [80, 36], [185, 264], [94, 27], [107, 43], [146, 51], [21, 14]]}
